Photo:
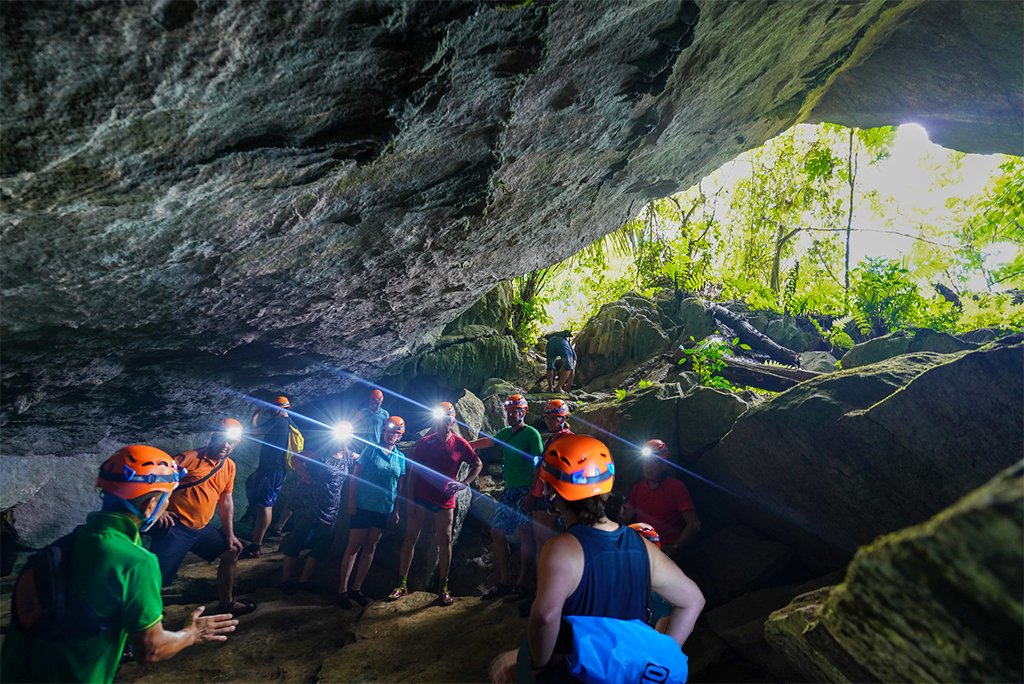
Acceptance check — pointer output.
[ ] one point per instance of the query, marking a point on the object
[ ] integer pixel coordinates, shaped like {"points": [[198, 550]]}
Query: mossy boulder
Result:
{"points": [[941, 601], [787, 332], [903, 342], [622, 335], [695, 319], [817, 465], [818, 361]]}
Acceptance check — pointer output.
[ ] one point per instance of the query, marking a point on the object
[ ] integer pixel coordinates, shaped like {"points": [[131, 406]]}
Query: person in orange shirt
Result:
{"points": [[185, 525]]}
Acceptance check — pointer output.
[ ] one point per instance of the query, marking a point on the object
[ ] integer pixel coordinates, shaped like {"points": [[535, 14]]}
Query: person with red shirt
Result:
{"points": [[433, 481], [663, 502]]}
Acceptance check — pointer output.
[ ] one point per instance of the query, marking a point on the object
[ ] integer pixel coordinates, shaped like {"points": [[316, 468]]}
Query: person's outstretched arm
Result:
{"points": [[674, 586], [156, 643]]}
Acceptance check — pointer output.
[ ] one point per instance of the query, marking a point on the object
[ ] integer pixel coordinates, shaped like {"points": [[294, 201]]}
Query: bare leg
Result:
{"points": [[412, 535], [551, 380], [259, 528], [543, 529], [226, 577], [366, 560], [501, 554], [290, 566], [526, 552], [443, 533], [283, 518], [308, 569], [356, 538], [567, 383]]}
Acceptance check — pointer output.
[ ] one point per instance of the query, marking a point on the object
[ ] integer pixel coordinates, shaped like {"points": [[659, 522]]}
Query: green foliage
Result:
{"points": [[789, 291], [886, 296], [836, 336], [644, 384], [621, 394], [707, 359], [988, 310]]}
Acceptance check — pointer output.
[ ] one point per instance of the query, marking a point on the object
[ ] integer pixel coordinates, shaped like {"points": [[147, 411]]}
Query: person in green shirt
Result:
{"points": [[114, 578], [522, 448]]}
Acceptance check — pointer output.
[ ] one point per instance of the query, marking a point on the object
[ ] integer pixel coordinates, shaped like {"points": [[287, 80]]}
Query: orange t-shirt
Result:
{"points": [[194, 506]]}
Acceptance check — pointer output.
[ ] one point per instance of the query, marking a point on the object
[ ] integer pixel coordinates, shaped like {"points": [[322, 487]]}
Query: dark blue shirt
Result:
{"points": [[275, 444], [616, 575]]}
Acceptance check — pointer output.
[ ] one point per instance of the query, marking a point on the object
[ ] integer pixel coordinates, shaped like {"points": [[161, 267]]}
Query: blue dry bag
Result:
{"points": [[610, 651]]}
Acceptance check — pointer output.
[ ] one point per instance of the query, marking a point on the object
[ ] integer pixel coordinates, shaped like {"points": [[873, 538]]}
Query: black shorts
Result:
{"points": [[309, 533], [364, 519], [170, 545], [263, 486]]}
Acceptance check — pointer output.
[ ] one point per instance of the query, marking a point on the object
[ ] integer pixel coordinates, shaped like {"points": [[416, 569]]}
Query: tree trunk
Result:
{"points": [[750, 335], [851, 176]]}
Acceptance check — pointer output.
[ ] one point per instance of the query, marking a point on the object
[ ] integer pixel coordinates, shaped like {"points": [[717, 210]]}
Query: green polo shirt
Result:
{"points": [[520, 450], [113, 574]]}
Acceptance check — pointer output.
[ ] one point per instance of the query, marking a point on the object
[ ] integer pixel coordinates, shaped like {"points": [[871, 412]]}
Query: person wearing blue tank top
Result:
{"points": [[597, 568]]}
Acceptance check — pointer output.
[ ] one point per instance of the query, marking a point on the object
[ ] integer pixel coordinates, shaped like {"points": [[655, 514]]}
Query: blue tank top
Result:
{"points": [[616, 575]]}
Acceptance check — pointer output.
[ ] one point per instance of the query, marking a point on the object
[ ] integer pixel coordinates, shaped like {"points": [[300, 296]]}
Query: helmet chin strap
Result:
{"points": [[147, 521]]}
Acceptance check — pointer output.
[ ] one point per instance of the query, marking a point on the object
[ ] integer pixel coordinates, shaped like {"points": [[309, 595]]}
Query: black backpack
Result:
{"points": [[42, 605]]}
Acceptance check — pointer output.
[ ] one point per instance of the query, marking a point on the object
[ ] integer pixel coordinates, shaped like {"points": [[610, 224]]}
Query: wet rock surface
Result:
{"points": [[904, 342], [941, 601]]}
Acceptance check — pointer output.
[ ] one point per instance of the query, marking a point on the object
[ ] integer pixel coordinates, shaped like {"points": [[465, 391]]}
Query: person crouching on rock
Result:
{"points": [[597, 568], [374, 488], [433, 481], [317, 503], [521, 448], [186, 526], [112, 586]]}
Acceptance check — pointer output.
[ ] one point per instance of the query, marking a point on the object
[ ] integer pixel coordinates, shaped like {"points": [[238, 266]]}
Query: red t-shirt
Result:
{"points": [[437, 461], [662, 507]]}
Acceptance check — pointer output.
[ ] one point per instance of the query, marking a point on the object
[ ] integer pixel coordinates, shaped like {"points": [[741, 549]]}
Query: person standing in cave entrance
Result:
{"points": [[521, 447], [663, 502], [185, 525], [374, 488], [433, 481], [559, 345], [597, 568], [317, 503], [112, 588], [370, 420], [264, 485]]}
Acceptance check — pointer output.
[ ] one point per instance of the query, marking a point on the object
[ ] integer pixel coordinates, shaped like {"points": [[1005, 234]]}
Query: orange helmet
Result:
{"points": [[578, 467], [655, 447], [137, 470], [283, 402], [445, 410], [395, 424], [516, 401], [648, 533], [376, 395], [230, 428], [556, 407]]}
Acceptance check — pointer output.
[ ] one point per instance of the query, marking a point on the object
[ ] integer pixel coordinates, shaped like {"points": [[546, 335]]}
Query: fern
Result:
{"points": [[789, 289]]}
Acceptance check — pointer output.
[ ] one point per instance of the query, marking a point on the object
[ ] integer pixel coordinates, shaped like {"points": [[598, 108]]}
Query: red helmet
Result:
{"points": [[395, 424], [655, 447], [376, 395], [648, 533], [137, 470], [578, 467], [517, 401], [556, 407], [283, 402]]}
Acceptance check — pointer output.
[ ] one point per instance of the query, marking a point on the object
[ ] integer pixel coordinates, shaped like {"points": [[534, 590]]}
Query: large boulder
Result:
{"points": [[470, 413], [817, 465], [493, 310], [904, 342], [695, 319], [938, 602], [818, 361], [623, 335], [787, 332]]}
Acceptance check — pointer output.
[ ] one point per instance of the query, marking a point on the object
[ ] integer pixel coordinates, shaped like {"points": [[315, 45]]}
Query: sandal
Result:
{"points": [[243, 608], [398, 593], [497, 591], [250, 551]]}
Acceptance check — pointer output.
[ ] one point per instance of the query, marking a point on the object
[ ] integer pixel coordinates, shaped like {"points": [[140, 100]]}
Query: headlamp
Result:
{"points": [[647, 452], [438, 413], [342, 430], [233, 433]]}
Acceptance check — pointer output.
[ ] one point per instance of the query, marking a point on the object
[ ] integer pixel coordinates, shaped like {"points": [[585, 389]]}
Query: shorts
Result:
{"points": [[659, 608], [364, 519], [263, 487], [509, 514], [559, 346], [311, 533], [431, 507], [170, 545]]}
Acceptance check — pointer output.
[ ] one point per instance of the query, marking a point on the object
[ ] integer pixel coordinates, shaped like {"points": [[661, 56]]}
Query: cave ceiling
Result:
{"points": [[201, 197]]}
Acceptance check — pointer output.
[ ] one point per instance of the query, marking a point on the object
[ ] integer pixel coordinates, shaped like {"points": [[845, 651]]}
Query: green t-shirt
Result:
{"points": [[113, 574], [521, 450]]}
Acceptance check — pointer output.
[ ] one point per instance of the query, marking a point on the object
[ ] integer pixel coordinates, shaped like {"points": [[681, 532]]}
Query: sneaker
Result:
{"points": [[398, 593], [250, 551], [359, 597], [445, 597], [343, 601], [497, 591]]}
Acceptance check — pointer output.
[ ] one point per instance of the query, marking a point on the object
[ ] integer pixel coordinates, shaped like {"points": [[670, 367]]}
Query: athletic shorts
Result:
{"points": [[309, 533], [263, 487], [431, 507], [559, 346], [509, 514], [170, 545], [364, 519]]}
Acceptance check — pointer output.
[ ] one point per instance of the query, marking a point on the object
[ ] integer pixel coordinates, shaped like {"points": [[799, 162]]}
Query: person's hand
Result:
{"points": [[453, 486], [210, 627], [235, 544], [503, 667], [166, 520]]}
